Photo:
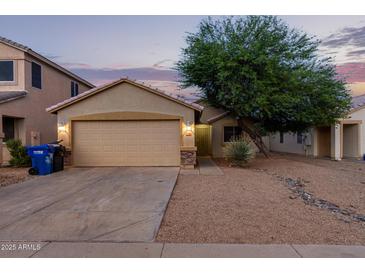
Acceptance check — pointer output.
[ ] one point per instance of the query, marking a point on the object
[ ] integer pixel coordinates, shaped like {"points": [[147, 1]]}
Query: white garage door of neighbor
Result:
{"points": [[126, 143]]}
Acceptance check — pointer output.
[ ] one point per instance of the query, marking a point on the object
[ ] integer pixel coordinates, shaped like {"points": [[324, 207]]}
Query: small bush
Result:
{"points": [[239, 151], [18, 153]]}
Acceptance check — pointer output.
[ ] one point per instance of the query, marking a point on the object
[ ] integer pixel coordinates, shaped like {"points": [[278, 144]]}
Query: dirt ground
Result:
{"points": [[10, 175], [251, 205]]}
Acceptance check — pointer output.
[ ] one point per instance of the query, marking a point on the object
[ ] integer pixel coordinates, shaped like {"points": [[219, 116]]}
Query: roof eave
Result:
{"points": [[218, 117], [12, 99], [56, 108]]}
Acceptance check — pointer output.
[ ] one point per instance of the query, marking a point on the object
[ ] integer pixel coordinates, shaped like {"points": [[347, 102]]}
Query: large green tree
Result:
{"points": [[268, 75]]}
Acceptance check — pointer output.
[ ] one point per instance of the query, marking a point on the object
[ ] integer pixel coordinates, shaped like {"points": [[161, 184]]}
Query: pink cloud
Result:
{"points": [[353, 72]]}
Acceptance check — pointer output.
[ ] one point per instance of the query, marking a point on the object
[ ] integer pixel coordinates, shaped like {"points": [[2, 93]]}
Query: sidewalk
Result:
{"points": [[166, 250]]}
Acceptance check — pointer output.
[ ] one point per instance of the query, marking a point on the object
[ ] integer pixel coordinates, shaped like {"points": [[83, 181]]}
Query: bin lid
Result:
{"points": [[45, 147]]}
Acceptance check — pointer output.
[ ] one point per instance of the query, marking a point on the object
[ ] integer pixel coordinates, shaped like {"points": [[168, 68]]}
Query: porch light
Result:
{"points": [[188, 129], [61, 127]]}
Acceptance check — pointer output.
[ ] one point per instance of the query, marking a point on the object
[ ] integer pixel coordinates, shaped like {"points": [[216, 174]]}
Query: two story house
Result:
{"points": [[29, 83]]}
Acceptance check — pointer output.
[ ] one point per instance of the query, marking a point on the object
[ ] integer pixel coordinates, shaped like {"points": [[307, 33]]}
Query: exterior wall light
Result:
{"points": [[188, 129], [62, 128]]}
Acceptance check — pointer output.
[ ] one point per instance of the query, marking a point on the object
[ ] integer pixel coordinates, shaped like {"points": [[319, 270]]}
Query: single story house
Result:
{"points": [[126, 123], [345, 139]]}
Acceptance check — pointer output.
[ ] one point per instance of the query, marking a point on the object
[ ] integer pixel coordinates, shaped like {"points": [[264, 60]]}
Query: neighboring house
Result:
{"points": [[29, 83], [126, 123], [345, 139]]}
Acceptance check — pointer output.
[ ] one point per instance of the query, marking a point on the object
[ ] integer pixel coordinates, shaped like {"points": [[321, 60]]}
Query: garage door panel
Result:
{"points": [[126, 143]]}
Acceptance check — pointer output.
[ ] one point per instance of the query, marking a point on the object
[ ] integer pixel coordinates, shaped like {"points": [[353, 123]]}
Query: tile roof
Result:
{"points": [[92, 91], [217, 117], [6, 96], [358, 101], [12, 43]]}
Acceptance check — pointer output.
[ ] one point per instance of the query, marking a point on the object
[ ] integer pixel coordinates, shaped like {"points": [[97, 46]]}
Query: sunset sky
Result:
{"points": [[105, 48]]}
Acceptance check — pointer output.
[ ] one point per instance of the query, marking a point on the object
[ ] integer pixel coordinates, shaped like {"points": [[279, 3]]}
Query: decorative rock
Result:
{"points": [[188, 157], [297, 187]]}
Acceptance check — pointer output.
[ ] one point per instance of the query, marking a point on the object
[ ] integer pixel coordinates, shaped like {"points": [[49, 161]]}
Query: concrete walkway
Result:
{"points": [[166, 250], [208, 167]]}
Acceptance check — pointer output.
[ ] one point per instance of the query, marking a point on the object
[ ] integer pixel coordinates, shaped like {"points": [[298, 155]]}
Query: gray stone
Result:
{"points": [[188, 158]]}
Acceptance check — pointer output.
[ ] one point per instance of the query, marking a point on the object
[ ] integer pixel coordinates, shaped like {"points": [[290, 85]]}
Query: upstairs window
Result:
{"points": [[36, 75], [231, 132], [74, 89], [6, 71]]}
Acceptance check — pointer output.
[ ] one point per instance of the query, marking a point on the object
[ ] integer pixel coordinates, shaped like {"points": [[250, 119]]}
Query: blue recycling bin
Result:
{"points": [[42, 159]]}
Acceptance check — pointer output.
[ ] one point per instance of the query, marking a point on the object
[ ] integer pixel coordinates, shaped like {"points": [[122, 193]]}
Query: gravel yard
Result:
{"points": [[256, 205], [10, 175]]}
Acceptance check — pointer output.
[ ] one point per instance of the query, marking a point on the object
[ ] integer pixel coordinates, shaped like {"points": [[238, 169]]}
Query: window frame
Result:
{"points": [[41, 75], [14, 72], [229, 125], [74, 89]]}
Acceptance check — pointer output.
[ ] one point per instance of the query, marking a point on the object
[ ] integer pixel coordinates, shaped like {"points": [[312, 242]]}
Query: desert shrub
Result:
{"points": [[239, 151], [18, 153]]}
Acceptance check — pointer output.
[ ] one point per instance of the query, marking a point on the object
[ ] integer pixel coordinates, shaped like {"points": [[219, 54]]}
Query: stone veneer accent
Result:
{"points": [[68, 158], [188, 157]]}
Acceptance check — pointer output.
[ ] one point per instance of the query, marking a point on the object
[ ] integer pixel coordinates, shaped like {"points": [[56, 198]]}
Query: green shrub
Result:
{"points": [[239, 151], [18, 153]]}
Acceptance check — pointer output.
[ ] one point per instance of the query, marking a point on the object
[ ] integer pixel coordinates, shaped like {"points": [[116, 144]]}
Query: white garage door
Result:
{"points": [[126, 143]]}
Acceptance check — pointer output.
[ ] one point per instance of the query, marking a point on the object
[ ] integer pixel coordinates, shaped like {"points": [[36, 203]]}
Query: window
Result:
{"points": [[299, 138], [6, 71], [74, 89], [36, 75], [231, 132], [281, 137], [8, 128]]}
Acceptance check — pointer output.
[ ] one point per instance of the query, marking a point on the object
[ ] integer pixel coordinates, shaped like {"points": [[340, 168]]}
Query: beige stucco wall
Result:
{"points": [[121, 99], [218, 129], [5, 155], [217, 135], [56, 87], [344, 139], [359, 115], [351, 139]]}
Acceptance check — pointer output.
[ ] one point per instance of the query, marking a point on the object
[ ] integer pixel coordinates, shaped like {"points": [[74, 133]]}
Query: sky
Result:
{"points": [[105, 48]]}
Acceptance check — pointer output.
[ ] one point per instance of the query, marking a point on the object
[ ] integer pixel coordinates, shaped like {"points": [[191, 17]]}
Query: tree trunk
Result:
{"points": [[247, 126]]}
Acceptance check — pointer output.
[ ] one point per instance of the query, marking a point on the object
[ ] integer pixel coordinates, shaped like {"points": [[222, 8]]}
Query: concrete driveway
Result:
{"points": [[117, 204]]}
